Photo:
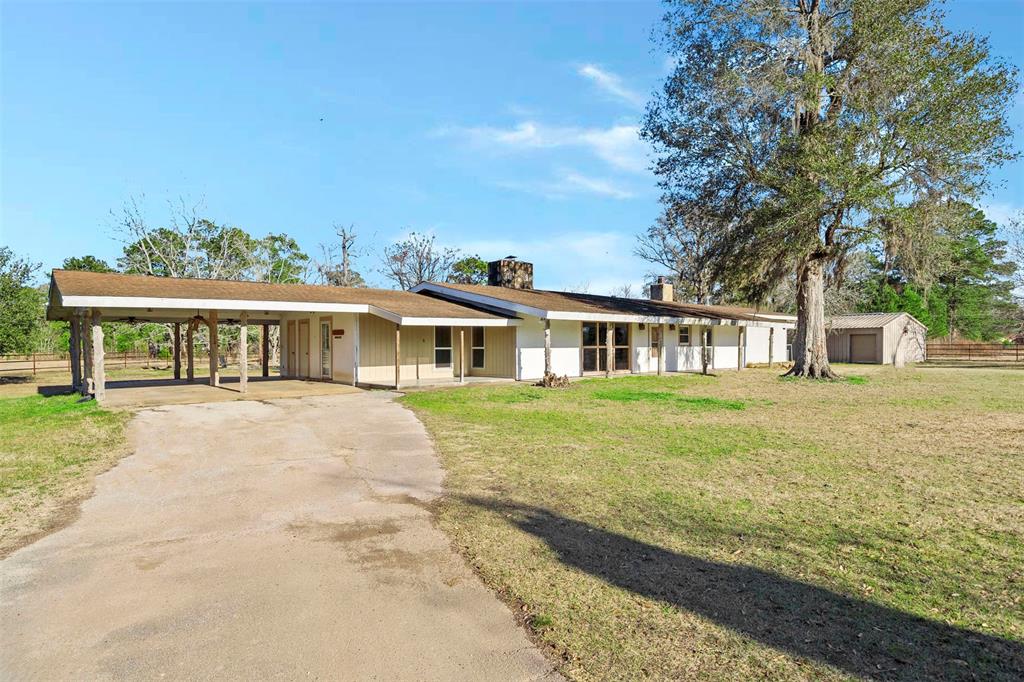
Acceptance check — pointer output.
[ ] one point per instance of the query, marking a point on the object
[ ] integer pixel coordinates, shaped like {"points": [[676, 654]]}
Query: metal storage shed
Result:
{"points": [[877, 338]]}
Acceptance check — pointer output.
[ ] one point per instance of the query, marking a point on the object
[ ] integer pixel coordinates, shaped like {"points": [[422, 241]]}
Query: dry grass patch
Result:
{"points": [[51, 448], [748, 527]]}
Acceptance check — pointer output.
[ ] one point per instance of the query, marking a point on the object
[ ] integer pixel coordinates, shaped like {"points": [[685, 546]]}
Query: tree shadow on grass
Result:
{"points": [[861, 638]]}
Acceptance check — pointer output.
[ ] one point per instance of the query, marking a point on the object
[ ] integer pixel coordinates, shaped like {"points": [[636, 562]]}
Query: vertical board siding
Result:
{"points": [[377, 352], [499, 352]]}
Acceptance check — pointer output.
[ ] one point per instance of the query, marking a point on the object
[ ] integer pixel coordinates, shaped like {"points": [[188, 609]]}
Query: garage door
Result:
{"points": [[862, 348]]}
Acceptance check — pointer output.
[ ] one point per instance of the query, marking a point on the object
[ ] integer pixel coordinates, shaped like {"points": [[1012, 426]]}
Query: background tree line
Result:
{"points": [[188, 244]]}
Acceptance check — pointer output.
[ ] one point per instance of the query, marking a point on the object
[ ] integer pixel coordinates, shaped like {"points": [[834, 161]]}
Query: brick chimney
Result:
{"points": [[510, 272], [661, 290]]}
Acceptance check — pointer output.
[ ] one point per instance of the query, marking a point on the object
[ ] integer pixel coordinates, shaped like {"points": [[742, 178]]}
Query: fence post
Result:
{"points": [[33, 364]]}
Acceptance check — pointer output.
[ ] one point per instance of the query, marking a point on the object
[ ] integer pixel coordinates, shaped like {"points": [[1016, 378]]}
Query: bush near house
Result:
{"points": [[746, 527]]}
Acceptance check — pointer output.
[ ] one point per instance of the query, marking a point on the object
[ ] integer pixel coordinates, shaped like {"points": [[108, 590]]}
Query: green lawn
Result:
{"points": [[50, 448], [746, 526]]}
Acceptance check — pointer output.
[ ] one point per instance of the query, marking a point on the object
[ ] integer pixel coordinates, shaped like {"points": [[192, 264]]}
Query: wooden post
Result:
{"points": [[547, 346], [609, 348], [243, 352], [190, 351], [99, 379], [211, 320], [177, 351], [73, 352], [739, 348], [87, 353], [33, 364], [462, 355], [266, 349], [398, 357], [771, 346], [703, 349]]}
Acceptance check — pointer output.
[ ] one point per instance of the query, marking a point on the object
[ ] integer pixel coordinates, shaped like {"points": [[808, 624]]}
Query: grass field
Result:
{"points": [[50, 450], [746, 526]]}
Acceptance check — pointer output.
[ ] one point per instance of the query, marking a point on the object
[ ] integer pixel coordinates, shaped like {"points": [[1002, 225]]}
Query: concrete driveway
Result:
{"points": [[285, 538]]}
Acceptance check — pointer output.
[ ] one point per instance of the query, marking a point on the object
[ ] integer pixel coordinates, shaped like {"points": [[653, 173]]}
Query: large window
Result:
{"points": [[595, 347], [478, 348], [442, 346], [684, 336]]}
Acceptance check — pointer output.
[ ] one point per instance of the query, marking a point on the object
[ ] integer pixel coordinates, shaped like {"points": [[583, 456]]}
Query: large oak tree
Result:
{"points": [[803, 124]]}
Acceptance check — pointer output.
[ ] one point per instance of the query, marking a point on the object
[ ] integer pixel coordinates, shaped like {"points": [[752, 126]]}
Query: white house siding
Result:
{"points": [[757, 345], [565, 348], [686, 357], [640, 339]]}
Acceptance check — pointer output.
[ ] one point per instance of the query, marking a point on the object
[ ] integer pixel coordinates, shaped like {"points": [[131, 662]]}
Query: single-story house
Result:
{"points": [[436, 332], [877, 338]]}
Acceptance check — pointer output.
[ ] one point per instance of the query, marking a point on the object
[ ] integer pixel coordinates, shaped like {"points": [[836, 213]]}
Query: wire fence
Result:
{"points": [[33, 363], [976, 352]]}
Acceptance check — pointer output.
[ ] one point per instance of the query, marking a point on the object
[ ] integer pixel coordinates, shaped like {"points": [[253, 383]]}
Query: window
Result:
{"points": [[442, 346], [594, 338], [684, 336], [478, 347]]}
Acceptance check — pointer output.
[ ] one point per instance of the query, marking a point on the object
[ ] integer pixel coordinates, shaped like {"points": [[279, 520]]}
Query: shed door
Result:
{"points": [[862, 348]]}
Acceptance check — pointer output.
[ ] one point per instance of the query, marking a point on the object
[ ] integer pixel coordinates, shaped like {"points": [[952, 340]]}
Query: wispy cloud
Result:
{"points": [[611, 84], [618, 145], [569, 183]]}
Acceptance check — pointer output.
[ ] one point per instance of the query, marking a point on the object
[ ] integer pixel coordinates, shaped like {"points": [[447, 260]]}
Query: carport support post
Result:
{"points": [[177, 351], [99, 380], [243, 352], [86, 352], [75, 348], [398, 356], [211, 320], [190, 349], [462, 355], [266, 349], [547, 346], [771, 346]]}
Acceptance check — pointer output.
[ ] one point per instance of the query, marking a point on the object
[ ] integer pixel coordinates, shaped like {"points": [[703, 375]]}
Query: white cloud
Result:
{"points": [[611, 84], [569, 183], [1001, 213], [619, 145]]}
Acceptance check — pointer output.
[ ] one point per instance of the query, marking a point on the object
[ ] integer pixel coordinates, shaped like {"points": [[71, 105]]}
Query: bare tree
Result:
{"points": [[622, 291], [684, 240], [417, 259], [188, 246], [334, 267]]}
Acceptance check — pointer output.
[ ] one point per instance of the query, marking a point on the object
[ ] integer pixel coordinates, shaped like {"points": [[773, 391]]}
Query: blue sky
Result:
{"points": [[501, 128]]}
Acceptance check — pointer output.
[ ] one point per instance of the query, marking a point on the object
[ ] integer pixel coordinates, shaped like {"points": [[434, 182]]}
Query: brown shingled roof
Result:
{"points": [[403, 303], [570, 302]]}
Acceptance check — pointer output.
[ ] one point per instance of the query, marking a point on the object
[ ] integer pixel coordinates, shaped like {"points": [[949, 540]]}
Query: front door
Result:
{"points": [[325, 350], [303, 349], [655, 345], [292, 348]]}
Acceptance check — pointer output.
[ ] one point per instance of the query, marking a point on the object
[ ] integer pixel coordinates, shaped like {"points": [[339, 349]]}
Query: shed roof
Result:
{"points": [[570, 305], [868, 320], [73, 288]]}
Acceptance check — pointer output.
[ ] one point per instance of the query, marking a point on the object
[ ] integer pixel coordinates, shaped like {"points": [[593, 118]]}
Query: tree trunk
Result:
{"points": [[810, 354]]}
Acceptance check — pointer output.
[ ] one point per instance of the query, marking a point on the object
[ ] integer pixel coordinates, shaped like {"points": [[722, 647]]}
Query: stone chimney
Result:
{"points": [[661, 290], [510, 272]]}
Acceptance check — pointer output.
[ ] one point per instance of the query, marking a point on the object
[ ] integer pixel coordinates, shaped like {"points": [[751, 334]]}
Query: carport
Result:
{"points": [[349, 317]]}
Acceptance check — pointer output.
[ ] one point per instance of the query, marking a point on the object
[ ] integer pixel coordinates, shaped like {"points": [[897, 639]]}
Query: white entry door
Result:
{"points": [[325, 350]]}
